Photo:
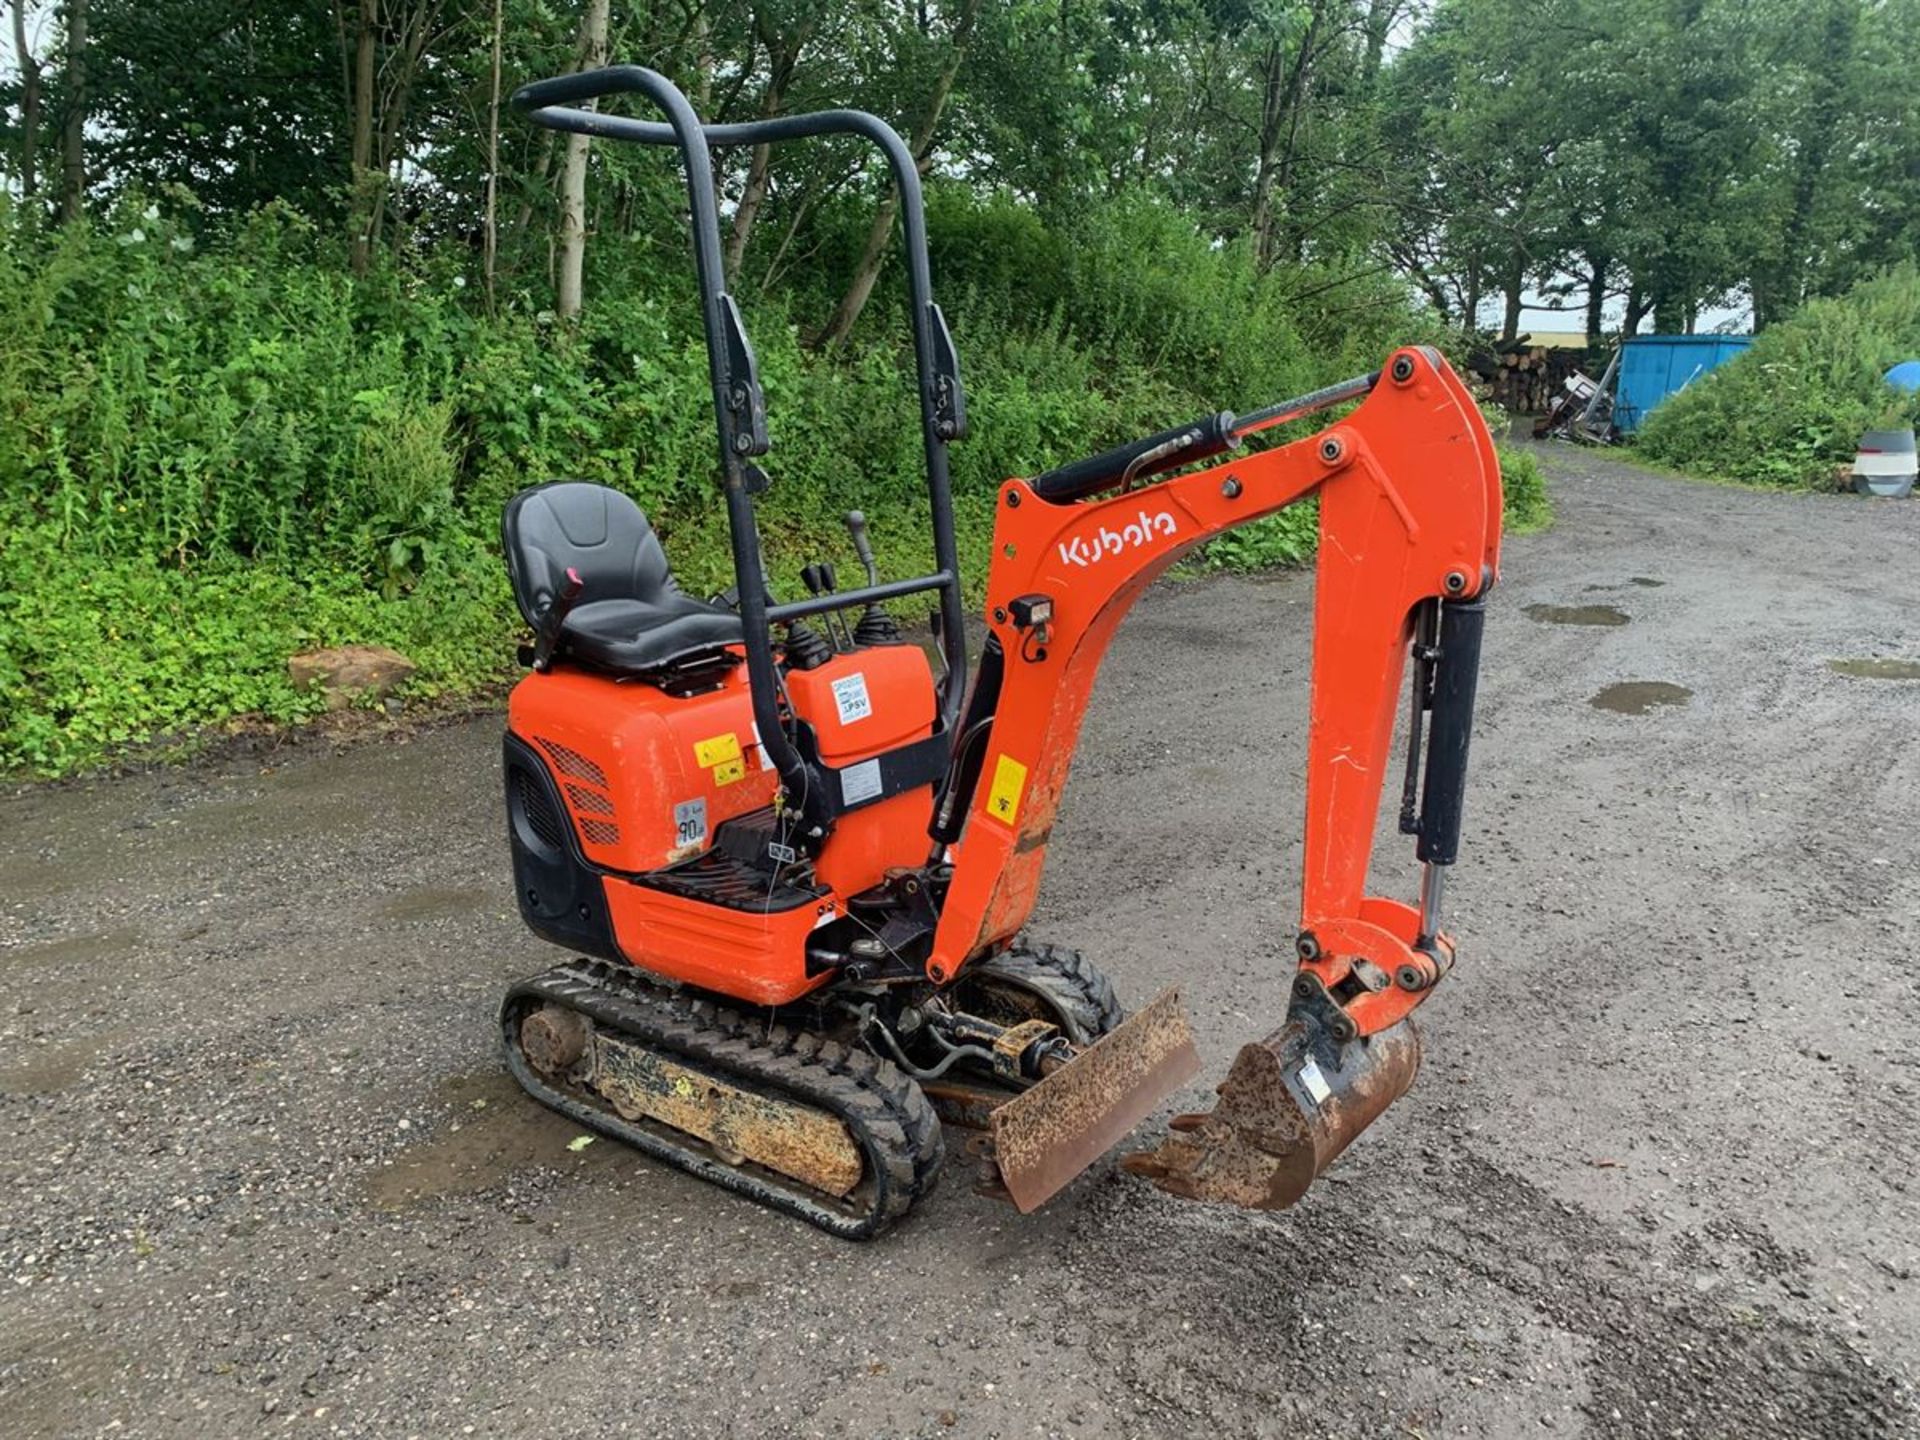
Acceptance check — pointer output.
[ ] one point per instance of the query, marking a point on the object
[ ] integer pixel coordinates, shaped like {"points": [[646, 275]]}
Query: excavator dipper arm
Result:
{"points": [[1410, 504]]}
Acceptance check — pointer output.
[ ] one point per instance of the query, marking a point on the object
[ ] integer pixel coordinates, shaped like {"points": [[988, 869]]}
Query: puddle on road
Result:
{"points": [[417, 906], [49, 1069], [501, 1130], [84, 949], [1637, 697], [1647, 582], [1877, 669], [1576, 614]]}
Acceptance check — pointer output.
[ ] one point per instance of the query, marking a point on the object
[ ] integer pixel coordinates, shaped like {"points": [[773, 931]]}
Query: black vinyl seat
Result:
{"points": [[630, 617]]}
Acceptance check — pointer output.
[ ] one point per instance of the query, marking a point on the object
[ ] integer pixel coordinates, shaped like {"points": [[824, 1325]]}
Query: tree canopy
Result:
{"points": [[1653, 156]]}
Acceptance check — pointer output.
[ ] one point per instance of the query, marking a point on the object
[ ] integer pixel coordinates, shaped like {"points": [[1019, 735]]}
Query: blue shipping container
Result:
{"points": [[1652, 367]]}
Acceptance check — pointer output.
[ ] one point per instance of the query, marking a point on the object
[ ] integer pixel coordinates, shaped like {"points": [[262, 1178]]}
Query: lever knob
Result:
{"points": [[862, 546]]}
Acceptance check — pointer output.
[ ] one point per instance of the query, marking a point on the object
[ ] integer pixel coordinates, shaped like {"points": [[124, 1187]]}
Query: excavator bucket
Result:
{"points": [[1290, 1104], [1045, 1136]]}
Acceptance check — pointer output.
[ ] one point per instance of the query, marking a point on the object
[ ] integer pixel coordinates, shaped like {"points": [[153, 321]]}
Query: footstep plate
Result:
{"points": [[1045, 1136]]}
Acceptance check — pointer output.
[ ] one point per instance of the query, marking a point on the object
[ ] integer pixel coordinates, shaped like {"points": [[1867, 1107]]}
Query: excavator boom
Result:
{"points": [[1409, 495]]}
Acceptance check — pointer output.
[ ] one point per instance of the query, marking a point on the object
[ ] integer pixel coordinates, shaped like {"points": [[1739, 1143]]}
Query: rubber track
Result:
{"points": [[884, 1110], [1064, 976]]}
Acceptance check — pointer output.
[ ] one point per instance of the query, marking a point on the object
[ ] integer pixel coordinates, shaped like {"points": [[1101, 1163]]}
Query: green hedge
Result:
{"points": [[217, 449], [1790, 409]]}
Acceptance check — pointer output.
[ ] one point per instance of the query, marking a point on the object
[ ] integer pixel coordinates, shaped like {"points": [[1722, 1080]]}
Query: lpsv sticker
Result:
{"points": [[850, 697]]}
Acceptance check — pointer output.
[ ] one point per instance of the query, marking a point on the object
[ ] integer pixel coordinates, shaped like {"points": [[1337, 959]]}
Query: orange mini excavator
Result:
{"points": [[796, 863]]}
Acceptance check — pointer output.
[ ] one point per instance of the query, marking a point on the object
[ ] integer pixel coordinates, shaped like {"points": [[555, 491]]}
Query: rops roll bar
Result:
{"points": [[739, 408]]}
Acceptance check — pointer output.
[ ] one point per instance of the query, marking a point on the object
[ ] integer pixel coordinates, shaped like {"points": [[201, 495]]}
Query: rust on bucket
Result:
{"points": [[1290, 1104]]}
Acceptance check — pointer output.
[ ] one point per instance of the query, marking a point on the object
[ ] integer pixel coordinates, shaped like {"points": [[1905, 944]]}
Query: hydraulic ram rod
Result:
{"points": [[1303, 405], [1184, 445]]}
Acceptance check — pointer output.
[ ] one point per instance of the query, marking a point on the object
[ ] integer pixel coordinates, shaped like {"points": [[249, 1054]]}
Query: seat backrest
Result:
{"points": [[594, 530]]}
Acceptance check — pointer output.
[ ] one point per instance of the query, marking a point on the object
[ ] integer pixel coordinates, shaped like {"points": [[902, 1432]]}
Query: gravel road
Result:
{"points": [[263, 1173]]}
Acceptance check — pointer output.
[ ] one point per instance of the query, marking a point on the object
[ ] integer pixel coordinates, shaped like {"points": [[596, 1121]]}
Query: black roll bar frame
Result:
{"points": [[739, 409]]}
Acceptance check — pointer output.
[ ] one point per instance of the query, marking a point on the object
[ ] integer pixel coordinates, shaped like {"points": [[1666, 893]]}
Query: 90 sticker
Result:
{"points": [[690, 822]]}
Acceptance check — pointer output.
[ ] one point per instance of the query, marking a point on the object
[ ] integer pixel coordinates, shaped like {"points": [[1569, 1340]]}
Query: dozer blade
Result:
{"points": [[1045, 1136], [1290, 1104]]}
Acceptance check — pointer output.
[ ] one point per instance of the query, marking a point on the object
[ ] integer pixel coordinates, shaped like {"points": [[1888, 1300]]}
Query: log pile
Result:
{"points": [[1524, 377]]}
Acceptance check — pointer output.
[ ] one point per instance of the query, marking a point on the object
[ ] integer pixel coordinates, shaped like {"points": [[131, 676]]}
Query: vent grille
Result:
{"points": [[589, 802], [585, 786], [573, 764], [533, 804]]}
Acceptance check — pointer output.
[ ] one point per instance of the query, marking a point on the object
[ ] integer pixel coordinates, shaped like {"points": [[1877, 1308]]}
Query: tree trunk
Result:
{"points": [[749, 209], [29, 104], [542, 168], [416, 35], [1513, 284], [73, 145], [1669, 315], [875, 253], [1597, 268], [1261, 221], [1280, 106], [1470, 306], [783, 56], [573, 174], [1815, 150], [490, 238], [1380, 17], [361, 204], [702, 63], [1636, 309]]}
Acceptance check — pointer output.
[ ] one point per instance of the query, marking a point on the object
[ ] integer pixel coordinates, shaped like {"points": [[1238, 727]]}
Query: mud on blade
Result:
{"points": [[1047, 1135]]}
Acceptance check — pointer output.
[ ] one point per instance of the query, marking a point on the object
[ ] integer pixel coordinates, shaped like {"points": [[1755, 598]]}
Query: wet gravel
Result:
{"points": [[263, 1172]]}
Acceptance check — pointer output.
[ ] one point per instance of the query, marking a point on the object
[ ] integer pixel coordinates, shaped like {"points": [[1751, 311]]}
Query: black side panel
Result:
{"points": [[561, 898]]}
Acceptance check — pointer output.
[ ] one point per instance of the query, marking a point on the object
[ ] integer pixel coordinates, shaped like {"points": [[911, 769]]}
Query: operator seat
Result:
{"points": [[630, 617]]}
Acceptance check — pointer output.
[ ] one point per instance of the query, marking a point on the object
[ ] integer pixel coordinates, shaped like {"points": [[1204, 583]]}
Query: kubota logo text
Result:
{"points": [[1084, 550]]}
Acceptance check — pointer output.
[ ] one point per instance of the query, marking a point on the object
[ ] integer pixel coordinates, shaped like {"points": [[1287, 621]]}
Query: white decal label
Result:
{"points": [[1315, 1082], [860, 782], [850, 695], [1104, 544], [690, 822]]}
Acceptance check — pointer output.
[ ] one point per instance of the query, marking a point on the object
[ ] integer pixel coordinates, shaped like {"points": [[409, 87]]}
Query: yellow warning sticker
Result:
{"points": [[717, 751], [1009, 784], [728, 771]]}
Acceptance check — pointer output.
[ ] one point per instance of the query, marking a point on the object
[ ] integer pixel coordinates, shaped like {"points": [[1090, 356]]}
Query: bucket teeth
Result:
{"points": [[1290, 1104]]}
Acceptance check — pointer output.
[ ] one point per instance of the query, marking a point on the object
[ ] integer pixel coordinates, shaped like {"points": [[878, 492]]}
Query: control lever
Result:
{"points": [[876, 626], [819, 579], [862, 546]]}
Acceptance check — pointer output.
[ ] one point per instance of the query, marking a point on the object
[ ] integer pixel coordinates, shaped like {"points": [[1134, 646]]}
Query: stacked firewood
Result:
{"points": [[1521, 382], [1524, 377]]}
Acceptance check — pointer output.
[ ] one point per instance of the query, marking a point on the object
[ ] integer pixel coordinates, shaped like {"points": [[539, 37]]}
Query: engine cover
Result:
{"points": [[646, 776]]}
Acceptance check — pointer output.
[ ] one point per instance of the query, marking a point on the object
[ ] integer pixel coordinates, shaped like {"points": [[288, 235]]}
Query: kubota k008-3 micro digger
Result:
{"points": [[801, 866]]}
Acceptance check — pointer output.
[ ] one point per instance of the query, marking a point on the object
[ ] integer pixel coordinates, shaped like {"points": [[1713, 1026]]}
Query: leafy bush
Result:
{"points": [[1524, 489], [217, 449], [1792, 406]]}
